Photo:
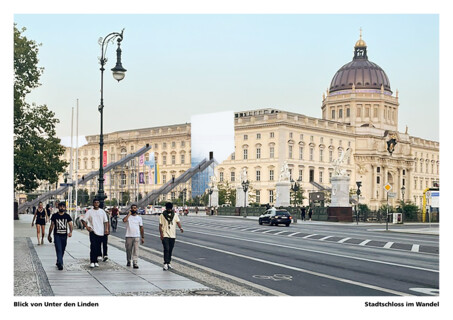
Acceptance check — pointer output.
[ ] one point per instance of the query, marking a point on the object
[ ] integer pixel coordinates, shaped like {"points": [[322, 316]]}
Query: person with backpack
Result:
{"points": [[167, 228]]}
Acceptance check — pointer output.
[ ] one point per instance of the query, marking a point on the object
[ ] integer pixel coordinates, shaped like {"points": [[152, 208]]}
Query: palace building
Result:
{"points": [[359, 111]]}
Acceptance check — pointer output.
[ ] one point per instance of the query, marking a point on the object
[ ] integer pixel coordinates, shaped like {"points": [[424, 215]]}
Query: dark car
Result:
{"points": [[275, 217], [141, 211]]}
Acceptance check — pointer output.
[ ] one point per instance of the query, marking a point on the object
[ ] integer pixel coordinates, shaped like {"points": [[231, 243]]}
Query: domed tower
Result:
{"points": [[360, 94]]}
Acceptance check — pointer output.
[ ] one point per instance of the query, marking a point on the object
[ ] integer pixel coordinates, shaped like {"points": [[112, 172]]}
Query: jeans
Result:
{"points": [[168, 244], [132, 245], [60, 247], [95, 246]]}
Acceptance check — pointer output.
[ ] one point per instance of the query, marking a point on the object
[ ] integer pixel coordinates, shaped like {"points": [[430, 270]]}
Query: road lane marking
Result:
{"points": [[322, 239], [290, 235], [343, 240], [257, 230], [268, 231], [415, 247], [280, 232], [364, 242], [310, 235], [388, 245], [315, 251], [318, 274]]}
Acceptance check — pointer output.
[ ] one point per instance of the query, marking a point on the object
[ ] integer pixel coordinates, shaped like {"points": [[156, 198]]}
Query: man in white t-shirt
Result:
{"points": [[96, 223], [134, 231], [167, 228]]}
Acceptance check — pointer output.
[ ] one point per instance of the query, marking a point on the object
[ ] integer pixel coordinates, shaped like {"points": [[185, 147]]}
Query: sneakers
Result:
{"points": [[105, 259], [96, 264], [99, 258], [92, 265], [128, 264], [169, 266], [165, 267], [135, 266]]}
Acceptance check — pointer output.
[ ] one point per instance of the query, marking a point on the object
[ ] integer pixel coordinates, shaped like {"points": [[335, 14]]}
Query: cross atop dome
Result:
{"points": [[360, 48]]}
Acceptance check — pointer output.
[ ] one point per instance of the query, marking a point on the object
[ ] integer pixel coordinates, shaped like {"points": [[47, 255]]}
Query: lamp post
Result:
{"points": [[66, 175], [210, 191], [245, 187], [183, 195], [118, 73], [295, 186], [403, 191], [359, 184]]}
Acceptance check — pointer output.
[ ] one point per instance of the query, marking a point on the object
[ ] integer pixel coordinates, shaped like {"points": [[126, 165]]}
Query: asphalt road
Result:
{"points": [[308, 258]]}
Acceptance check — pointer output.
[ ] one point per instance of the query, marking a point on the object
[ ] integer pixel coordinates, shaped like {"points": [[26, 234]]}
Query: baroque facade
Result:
{"points": [[359, 111]]}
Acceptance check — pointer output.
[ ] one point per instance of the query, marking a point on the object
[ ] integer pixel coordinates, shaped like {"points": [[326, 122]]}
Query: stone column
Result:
{"points": [[240, 197], [283, 194], [215, 197]]}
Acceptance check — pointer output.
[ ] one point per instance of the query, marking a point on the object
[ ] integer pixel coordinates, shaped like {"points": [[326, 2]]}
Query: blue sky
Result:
{"points": [[179, 64]]}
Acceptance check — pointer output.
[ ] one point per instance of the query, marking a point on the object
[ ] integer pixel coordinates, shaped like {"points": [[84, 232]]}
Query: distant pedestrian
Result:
{"points": [[96, 223], [167, 229], [196, 210], [310, 212], [48, 210], [41, 219], [134, 233], [59, 223], [302, 213], [268, 206], [114, 218]]}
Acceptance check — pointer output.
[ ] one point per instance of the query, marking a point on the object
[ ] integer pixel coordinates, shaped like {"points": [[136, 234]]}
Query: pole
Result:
{"points": [[77, 157], [71, 165], [387, 220]]}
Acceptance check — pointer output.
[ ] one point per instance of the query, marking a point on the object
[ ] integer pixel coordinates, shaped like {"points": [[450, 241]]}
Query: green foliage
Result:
{"points": [[126, 197], [227, 194], [297, 197], [410, 210], [37, 150]]}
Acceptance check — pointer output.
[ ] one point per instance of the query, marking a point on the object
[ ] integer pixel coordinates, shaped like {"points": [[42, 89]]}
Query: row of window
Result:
{"points": [[291, 153], [389, 113], [271, 175], [301, 138]]}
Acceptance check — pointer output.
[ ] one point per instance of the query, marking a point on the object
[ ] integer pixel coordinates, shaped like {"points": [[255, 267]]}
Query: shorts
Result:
{"points": [[41, 222]]}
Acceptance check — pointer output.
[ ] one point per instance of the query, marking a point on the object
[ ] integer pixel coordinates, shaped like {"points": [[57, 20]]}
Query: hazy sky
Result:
{"points": [[179, 65]]}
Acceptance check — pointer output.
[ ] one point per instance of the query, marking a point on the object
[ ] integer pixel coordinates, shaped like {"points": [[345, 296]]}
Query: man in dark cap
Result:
{"points": [[167, 228]]}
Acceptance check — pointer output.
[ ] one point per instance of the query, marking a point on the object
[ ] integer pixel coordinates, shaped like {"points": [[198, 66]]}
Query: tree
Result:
{"points": [[37, 150]]}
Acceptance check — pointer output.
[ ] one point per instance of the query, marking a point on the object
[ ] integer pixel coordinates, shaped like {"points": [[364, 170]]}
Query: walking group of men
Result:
{"points": [[96, 222]]}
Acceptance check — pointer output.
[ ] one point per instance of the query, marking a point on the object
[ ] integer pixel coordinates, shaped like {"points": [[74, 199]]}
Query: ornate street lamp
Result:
{"points": [[245, 187], [359, 184], [118, 73], [210, 191], [295, 187]]}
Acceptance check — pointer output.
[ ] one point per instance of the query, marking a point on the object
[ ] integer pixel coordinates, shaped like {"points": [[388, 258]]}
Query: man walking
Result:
{"points": [[134, 231], [96, 223], [59, 223], [167, 228], [302, 213]]}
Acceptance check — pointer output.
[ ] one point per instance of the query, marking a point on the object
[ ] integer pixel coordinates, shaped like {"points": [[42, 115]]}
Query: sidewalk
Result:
{"points": [[37, 274]]}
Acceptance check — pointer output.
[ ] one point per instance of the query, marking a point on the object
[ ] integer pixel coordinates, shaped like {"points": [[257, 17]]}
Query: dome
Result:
{"points": [[360, 73]]}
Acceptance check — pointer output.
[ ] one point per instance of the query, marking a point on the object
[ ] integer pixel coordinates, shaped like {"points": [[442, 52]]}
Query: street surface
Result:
{"points": [[308, 258]]}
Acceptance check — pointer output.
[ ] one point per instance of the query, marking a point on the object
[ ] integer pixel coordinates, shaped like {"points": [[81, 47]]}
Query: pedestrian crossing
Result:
{"points": [[276, 231]]}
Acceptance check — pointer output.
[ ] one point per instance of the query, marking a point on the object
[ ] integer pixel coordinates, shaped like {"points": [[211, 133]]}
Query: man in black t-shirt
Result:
{"points": [[60, 222]]}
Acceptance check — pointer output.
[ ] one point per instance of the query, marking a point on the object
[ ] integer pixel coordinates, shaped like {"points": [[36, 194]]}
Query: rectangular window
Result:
{"points": [[340, 113], [271, 196], [271, 152], [221, 176], [258, 175], [348, 113], [173, 196], [173, 144], [333, 113], [271, 134], [246, 154], [359, 112], [258, 196], [301, 153], [300, 175], [183, 159], [311, 154], [290, 135], [233, 176], [375, 112], [173, 159], [164, 160], [183, 144], [164, 179], [258, 136], [321, 155], [301, 137], [246, 137], [415, 183], [156, 146], [290, 152], [320, 176], [271, 175], [164, 145], [258, 153], [330, 177], [233, 156]]}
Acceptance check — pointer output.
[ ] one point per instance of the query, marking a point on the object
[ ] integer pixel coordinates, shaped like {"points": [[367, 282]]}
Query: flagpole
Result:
{"points": [[70, 165], [77, 157]]}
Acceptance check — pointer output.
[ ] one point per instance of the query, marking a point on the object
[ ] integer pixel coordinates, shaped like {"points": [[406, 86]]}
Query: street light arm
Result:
{"points": [[103, 42]]}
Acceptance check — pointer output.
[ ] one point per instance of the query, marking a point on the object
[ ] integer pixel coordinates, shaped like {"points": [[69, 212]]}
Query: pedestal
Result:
{"points": [[340, 192], [339, 214], [240, 197], [283, 192], [215, 197]]}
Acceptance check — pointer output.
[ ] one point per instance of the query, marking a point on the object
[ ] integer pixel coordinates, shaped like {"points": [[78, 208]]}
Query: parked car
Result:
{"points": [[141, 211], [157, 210], [276, 217]]}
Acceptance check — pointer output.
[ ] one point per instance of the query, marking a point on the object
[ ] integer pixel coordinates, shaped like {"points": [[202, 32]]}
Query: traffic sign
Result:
{"points": [[392, 194], [388, 187]]}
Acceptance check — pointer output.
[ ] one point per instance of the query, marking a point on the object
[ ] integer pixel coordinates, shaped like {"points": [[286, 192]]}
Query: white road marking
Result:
{"points": [[257, 230], [343, 240], [415, 247], [310, 235], [356, 283], [322, 239], [268, 231], [280, 232], [388, 245], [290, 235], [315, 251], [364, 242]]}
